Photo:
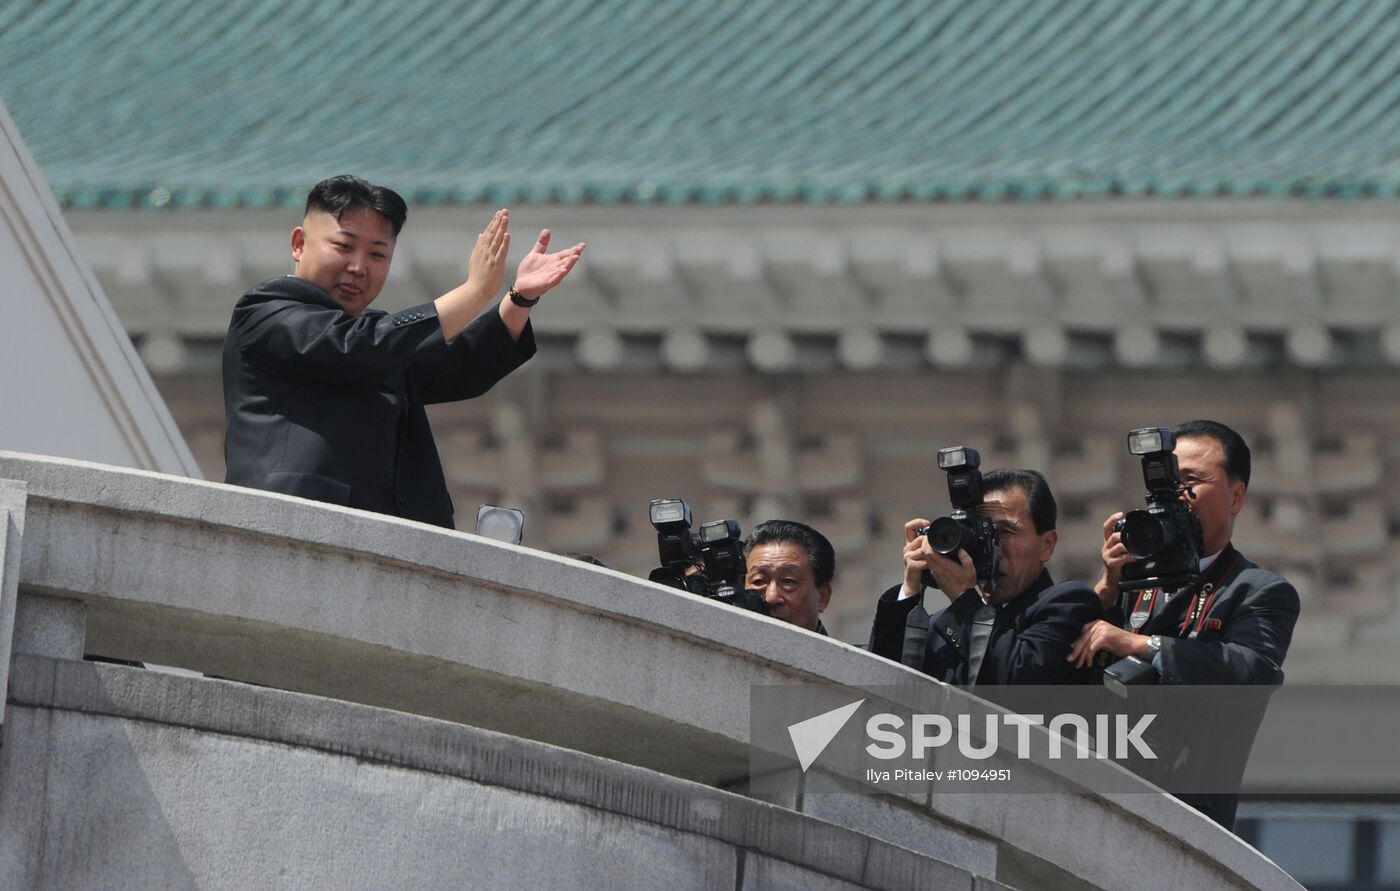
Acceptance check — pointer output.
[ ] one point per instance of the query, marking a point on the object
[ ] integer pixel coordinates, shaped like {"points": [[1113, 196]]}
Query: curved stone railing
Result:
{"points": [[378, 612], [176, 782]]}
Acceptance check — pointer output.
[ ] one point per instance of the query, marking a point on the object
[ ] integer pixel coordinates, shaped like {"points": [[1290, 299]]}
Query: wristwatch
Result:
{"points": [[1154, 646], [520, 299]]}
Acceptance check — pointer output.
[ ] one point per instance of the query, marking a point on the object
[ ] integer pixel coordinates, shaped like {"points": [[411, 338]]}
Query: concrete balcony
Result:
{"points": [[414, 707]]}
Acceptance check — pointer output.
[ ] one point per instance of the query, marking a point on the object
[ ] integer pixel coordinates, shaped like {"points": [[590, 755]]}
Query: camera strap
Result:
{"points": [[1204, 596], [1200, 602], [1201, 599], [915, 636], [1142, 612]]}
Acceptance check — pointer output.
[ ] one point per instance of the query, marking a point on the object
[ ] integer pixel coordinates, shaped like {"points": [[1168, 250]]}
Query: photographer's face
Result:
{"points": [[783, 572], [1217, 500], [1024, 552]]}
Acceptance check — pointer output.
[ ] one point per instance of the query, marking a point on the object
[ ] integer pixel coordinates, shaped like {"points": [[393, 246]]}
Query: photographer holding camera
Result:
{"points": [[783, 569], [1006, 621], [1230, 622]]}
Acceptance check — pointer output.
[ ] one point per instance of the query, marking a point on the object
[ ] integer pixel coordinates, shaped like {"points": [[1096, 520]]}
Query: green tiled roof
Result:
{"points": [[246, 102]]}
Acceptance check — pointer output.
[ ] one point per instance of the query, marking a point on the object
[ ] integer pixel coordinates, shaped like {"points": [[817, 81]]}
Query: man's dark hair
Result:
{"points": [[1234, 446], [584, 558], [1038, 495], [338, 195], [819, 551]]}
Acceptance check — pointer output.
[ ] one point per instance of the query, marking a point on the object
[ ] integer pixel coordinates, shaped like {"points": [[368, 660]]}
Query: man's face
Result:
{"points": [[1024, 552], [347, 258], [1216, 499], [783, 572]]}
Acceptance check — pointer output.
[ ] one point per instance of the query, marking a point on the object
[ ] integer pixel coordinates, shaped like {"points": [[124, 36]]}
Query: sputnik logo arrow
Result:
{"points": [[811, 737]]}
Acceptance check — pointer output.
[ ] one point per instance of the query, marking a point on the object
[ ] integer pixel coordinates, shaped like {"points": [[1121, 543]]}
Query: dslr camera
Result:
{"points": [[1164, 538], [964, 529], [708, 564]]}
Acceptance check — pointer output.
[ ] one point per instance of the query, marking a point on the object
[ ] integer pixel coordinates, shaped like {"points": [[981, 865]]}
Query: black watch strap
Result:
{"points": [[520, 299]]}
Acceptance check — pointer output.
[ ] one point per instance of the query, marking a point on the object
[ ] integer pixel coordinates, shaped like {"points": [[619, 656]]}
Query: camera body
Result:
{"points": [[964, 529], [678, 547], [1164, 538], [722, 552], [708, 564]]}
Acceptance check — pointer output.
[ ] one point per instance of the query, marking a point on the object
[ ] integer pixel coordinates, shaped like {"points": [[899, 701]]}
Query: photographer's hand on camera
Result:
{"points": [[916, 551], [953, 577], [1115, 556]]}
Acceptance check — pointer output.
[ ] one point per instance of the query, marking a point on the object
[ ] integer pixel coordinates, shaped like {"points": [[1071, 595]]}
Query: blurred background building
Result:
{"points": [[825, 239]]}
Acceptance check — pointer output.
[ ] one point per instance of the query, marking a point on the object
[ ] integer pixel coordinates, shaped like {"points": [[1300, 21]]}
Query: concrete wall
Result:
{"points": [[347, 614], [117, 776]]}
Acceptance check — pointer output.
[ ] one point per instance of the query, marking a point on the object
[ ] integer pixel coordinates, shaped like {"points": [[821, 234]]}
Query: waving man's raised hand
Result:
{"points": [[539, 271]]}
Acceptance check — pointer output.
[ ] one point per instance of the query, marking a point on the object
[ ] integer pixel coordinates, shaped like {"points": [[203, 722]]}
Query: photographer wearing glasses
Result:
{"points": [[1224, 620]]}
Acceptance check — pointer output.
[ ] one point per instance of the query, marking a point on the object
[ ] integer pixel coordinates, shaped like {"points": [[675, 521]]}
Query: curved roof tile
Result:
{"points": [[247, 102]]}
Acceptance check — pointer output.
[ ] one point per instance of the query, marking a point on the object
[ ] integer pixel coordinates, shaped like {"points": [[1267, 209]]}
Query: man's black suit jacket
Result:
{"points": [[1245, 631], [327, 405], [1244, 635], [1030, 641]]}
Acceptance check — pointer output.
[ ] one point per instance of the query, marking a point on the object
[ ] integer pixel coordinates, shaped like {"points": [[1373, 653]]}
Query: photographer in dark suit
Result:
{"points": [[1233, 626], [324, 397], [1018, 632]]}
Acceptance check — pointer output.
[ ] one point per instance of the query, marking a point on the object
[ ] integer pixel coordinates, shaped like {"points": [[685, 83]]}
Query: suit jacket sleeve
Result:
{"points": [[473, 363], [887, 632], [1038, 654], [1254, 641], [310, 341]]}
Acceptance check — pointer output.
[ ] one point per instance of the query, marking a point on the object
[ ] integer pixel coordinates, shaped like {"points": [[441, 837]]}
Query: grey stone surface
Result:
{"points": [[766, 874], [140, 779], [373, 610], [783, 789], [49, 626], [158, 806], [903, 824], [13, 494], [23, 785], [1071, 833], [445, 624]]}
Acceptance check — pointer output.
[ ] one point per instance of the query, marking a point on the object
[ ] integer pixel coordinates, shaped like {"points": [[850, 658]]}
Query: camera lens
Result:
{"points": [[947, 536], [1146, 534]]}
